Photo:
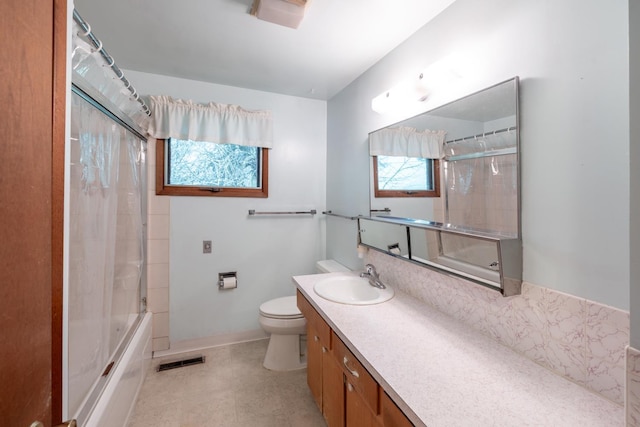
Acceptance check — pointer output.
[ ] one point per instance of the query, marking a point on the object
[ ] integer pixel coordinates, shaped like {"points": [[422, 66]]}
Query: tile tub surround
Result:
{"points": [[443, 373], [633, 387], [578, 339], [158, 219]]}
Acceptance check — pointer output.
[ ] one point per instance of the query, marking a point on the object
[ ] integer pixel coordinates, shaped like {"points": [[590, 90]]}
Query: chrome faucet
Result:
{"points": [[372, 275]]}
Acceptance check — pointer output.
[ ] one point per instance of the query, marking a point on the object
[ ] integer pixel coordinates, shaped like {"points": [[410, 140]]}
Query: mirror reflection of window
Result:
{"points": [[399, 176]]}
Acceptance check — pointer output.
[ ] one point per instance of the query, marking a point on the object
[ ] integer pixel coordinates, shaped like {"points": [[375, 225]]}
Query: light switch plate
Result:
{"points": [[206, 246]]}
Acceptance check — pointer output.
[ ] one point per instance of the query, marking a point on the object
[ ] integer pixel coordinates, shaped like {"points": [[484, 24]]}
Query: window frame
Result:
{"points": [[182, 190], [378, 193]]}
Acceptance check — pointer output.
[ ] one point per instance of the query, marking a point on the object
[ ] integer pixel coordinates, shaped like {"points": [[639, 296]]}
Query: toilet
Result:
{"points": [[281, 318]]}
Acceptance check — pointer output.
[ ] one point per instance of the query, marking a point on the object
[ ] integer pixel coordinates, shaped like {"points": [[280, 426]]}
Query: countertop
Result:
{"points": [[441, 372]]}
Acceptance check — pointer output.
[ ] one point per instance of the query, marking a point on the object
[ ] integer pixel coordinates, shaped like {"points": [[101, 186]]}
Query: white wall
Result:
{"points": [[572, 59], [265, 251]]}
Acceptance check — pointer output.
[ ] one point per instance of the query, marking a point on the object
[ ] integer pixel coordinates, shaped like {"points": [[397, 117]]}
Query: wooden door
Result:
{"points": [[32, 92], [314, 365], [332, 391], [391, 415], [357, 412]]}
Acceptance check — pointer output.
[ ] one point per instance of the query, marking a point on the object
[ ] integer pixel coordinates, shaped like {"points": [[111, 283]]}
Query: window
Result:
{"points": [[197, 168], [397, 176]]}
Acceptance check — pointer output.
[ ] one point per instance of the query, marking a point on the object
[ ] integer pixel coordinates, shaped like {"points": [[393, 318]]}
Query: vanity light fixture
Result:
{"points": [[402, 94], [419, 88], [288, 13]]}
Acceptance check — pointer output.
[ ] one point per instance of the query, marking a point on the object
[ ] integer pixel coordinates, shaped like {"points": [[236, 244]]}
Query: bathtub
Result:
{"points": [[115, 404]]}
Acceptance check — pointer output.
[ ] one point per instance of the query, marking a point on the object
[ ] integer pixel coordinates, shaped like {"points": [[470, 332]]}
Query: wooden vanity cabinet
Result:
{"points": [[361, 390], [343, 389], [324, 376]]}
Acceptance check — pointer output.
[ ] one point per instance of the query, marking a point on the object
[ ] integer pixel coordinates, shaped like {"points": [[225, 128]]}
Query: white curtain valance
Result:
{"points": [[407, 142], [220, 123]]}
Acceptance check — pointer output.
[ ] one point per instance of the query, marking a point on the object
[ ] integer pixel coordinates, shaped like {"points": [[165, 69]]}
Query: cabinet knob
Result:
{"points": [[353, 372], [349, 387], [324, 349], [315, 338]]}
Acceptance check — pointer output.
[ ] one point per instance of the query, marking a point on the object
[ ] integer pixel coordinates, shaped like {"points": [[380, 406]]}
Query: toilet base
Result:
{"points": [[283, 353]]}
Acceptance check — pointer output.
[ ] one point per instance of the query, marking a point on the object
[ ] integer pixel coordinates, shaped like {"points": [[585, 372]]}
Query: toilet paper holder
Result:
{"points": [[228, 275]]}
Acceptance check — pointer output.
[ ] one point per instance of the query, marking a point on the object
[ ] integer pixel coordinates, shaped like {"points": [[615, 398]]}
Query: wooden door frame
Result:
{"points": [[58, 143], [34, 94]]}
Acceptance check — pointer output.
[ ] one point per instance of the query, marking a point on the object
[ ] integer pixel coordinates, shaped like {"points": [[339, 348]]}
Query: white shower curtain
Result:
{"points": [[105, 243], [481, 179]]}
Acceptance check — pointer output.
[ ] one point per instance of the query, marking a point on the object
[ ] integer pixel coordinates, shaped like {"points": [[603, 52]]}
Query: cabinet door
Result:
{"points": [[314, 320], [314, 365], [392, 416], [332, 391], [358, 413], [356, 374]]}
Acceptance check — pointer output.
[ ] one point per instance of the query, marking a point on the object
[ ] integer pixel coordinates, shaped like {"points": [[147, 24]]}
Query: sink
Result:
{"points": [[350, 289]]}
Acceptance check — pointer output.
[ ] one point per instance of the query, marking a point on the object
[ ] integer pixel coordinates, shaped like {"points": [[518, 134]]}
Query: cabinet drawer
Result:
{"points": [[356, 374], [314, 321]]}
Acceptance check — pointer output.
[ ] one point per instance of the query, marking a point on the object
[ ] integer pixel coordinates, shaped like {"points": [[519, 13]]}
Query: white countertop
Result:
{"points": [[441, 372]]}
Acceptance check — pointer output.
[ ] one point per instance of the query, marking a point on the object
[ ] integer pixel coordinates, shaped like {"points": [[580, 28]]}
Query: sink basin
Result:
{"points": [[352, 290]]}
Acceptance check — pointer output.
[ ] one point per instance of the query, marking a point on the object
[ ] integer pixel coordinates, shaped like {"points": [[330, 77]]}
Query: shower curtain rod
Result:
{"points": [[481, 135], [110, 61]]}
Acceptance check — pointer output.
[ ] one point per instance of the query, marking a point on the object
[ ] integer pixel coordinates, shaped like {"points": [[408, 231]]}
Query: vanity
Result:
{"points": [[342, 387], [402, 363]]}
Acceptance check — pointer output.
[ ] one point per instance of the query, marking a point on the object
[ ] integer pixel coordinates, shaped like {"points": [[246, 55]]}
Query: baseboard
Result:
{"points": [[213, 341]]}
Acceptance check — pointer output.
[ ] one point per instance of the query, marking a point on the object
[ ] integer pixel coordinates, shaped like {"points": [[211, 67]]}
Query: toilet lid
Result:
{"points": [[281, 308]]}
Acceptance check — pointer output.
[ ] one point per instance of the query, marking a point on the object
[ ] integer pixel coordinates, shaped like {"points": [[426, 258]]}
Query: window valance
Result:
{"points": [[407, 142], [219, 123]]}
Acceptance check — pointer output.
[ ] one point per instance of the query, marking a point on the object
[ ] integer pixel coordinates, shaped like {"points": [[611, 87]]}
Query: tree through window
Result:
{"points": [[198, 168]]}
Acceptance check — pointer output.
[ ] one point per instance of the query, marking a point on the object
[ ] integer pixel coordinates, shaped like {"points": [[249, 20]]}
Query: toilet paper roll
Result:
{"points": [[229, 283]]}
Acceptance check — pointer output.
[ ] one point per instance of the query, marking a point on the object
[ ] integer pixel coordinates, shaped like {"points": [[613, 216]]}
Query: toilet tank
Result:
{"points": [[330, 266]]}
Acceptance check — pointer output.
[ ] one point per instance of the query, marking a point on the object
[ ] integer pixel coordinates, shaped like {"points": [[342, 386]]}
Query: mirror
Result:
{"points": [[491, 111], [391, 238], [445, 189], [491, 260]]}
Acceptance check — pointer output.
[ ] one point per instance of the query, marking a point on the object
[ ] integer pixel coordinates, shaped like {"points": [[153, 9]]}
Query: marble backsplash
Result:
{"points": [[633, 387], [578, 339]]}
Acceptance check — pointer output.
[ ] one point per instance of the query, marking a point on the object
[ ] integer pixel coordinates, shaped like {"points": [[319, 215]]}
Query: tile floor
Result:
{"points": [[231, 388]]}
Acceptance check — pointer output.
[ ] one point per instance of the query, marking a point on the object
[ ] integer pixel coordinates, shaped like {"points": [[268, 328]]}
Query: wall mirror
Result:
{"points": [[449, 180], [390, 237], [484, 117]]}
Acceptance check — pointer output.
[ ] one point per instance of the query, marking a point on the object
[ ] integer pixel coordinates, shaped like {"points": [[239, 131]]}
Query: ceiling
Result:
{"points": [[218, 41]]}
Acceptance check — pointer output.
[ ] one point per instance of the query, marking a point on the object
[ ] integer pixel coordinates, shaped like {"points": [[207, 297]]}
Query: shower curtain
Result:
{"points": [[106, 211], [105, 244], [481, 183]]}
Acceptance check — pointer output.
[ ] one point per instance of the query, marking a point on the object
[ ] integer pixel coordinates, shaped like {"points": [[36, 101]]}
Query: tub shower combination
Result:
{"points": [[107, 332]]}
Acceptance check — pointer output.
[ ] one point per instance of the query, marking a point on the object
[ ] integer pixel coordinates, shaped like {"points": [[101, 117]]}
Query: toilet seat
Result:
{"points": [[281, 308]]}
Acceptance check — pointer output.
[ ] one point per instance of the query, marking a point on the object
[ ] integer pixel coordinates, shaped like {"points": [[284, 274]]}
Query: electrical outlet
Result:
{"points": [[206, 246]]}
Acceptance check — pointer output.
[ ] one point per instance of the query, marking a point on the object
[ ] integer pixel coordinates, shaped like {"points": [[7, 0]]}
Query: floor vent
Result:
{"points": [[180, 363]]}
